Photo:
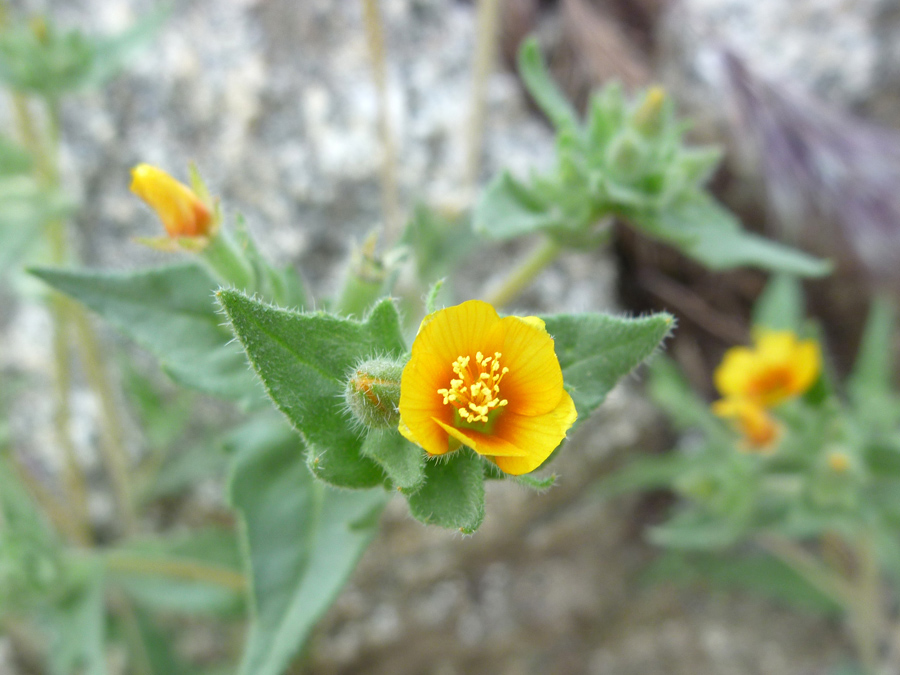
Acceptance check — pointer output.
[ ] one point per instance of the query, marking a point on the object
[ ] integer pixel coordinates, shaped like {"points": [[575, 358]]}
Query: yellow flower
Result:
{"points": [[492, 384], [779, 367], [760, 430], [182, 212], [838, 461]]}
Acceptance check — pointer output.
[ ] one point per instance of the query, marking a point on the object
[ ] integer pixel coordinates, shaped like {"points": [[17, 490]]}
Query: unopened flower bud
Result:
{"points": [[373, 393], [648, 118], [838, 462], [182, 212], [626, 154]]}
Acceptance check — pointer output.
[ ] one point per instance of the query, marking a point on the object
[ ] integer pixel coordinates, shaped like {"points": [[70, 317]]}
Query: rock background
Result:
{"points": [[273, 100]]}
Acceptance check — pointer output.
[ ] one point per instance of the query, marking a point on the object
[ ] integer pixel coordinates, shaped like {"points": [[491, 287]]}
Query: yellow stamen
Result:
{"points": [[475, 392]]}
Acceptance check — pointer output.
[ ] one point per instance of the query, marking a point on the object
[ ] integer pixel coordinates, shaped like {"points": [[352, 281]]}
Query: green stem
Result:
{"points": [[810, 568], [113, 437], [378, 56], [363, 282], [866, 615], [522, 276], [61, 311], [63, 520], [184, 570], [485, 50], [227, 263]]}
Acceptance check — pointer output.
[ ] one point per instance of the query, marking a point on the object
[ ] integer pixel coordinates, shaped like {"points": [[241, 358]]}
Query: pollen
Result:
{"points": [[475, 391]]}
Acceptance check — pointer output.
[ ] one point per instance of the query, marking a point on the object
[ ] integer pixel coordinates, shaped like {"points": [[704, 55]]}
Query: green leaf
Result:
{"points": [[25, 209], [403, 462], [438, 242], [703, 230], [596, 350], [113, 53], [304, 361], [197, 572], [760, 574], [645, 473], [542, 88], [874, 368], [694, 529], [302, 540], [670, 390], [170, 312], [14, 159], [17, 508], [283, 287], [155, 652], [780, 306], [507, 208], [453, 493], [77, 626], [535, 483], [38, 59]]}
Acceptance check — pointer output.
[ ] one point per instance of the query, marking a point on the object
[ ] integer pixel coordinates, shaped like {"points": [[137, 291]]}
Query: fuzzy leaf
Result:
{"points": [[542, 88], [77, 626], [403, 462], [453, 493], [507, 208], [703, 230], [759, 574], [169, 311], [670, 390], [218, 591], [304, 361], [596, 350], [780, 306], [872, 372], [302, 539], [644, 473]]}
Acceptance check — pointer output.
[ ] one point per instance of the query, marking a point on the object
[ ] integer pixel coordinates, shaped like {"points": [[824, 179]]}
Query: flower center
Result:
{"points": [[774, 382], [475, 391]]}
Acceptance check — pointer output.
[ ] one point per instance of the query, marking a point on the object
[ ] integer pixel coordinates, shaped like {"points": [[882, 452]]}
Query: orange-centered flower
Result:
{"points": [[760, 431], [779, 367], [492, 384], [181, 211]]}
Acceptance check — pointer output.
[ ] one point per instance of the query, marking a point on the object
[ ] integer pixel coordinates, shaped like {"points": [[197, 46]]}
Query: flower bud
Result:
{"points": [[182, 212], [373, 393], [838, 462], [626, 155], [649, 117]]}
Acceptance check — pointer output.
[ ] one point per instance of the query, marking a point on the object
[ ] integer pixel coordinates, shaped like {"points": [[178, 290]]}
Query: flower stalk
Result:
{"points": [[521, 277], [70, 322]]}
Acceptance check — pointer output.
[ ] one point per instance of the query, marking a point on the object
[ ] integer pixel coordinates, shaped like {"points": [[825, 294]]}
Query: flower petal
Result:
{"points": [[534, 383], [538, 435], [734, 373], [483, 444], [456, 331]]}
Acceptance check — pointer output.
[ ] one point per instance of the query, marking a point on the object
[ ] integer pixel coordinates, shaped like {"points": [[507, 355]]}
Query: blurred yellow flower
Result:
{"points": [[759, 429], [779, 367], [838, 461], [492, 384], [182, 212]]}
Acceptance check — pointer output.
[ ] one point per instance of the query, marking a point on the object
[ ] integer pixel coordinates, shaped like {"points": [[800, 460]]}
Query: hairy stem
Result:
{"points": [[184, 570], [524, 274], [69, 525], [112, 444], [867, 616], [61, 311], [810, 568]]}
